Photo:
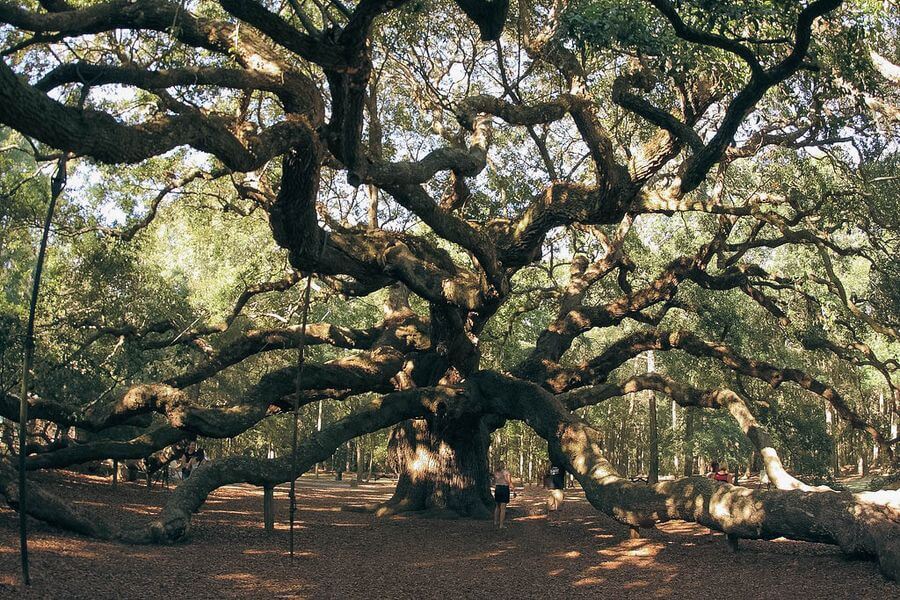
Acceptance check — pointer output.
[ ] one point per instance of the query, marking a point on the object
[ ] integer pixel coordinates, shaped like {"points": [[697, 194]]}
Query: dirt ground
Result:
{"points": [[343, 554]]}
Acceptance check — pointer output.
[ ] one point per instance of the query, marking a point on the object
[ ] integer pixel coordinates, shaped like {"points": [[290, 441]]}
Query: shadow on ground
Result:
{"points": [[342, 554]]}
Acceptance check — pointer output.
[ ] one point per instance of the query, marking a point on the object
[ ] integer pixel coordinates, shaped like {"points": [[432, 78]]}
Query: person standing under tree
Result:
{"points": [[718, 473], [502, 485], [193, 456], [556, 496]]}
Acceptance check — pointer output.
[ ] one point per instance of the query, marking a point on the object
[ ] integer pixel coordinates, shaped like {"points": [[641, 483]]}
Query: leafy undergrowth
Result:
{"points": [[342, 554]]}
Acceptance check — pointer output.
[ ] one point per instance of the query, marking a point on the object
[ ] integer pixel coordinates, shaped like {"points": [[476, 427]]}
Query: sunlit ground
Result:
{"points": [[347, 554]]}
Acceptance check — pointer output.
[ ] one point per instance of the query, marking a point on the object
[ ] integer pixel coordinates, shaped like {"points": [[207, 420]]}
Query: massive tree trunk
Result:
{"points": [[443, 467]]}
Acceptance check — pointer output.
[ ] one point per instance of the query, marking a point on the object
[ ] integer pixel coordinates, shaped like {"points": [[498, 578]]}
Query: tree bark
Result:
{"points": [[269, 508], [443, 467]]}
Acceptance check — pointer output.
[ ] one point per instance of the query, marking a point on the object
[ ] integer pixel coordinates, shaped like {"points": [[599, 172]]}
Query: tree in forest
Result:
{"points": [[535, 194]]}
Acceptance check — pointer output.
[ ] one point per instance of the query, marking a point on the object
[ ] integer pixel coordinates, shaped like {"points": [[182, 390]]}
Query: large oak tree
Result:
{"points": [[495, 157]]}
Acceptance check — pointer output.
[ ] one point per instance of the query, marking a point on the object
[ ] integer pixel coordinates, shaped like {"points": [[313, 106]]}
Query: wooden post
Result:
{"points": [[675, 459], [360, 461], [688, 441], [269, 508], [831, 423], [653, 468], [319, 428], [732, 541]]}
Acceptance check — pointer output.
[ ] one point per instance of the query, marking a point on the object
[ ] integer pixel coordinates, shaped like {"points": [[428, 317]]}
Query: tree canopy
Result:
{"points": [[504, 207]]}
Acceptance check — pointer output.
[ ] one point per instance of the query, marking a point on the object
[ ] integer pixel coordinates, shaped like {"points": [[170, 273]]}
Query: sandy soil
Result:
{"points": [[342, 554]]}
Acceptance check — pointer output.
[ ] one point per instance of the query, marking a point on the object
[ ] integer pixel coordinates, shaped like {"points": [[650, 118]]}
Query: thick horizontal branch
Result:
{"points": [[599, 368], [294, 91], [99, 135], [174, 522], [575, 318], [465, 161], [517, 114], [560, 203], [256, 341], [685, 396], [861, 524], [622, 95]]}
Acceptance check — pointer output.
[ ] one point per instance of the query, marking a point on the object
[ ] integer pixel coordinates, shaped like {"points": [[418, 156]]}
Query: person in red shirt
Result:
{"points": [[718, 473]]}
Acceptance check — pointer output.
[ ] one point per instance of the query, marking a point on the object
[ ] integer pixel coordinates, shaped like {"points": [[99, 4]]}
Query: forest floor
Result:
{"points": [[343, 554]]}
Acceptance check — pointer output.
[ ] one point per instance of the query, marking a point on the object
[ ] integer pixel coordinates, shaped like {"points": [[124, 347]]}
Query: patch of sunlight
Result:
{"points": [[285, 526], [603, 536], [626, 561], [536, 516], [631, 553], [421, 464], [220, 511], [258, 552], [140, 509], [556, 572], [237, 577], [682, 527], [588, 581], [148, 556], [301, 554], [454, 559], [89, 503], [570, 554], [53, 547], [647, 550]]}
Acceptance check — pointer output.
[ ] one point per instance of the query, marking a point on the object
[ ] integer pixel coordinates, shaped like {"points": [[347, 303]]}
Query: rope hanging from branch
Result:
{"points": [[57, 184], [301, 360]]}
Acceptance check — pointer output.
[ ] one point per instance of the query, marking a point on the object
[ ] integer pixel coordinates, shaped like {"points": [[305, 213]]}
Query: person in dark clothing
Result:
{"points": [[193, 456], [556, 477]]}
